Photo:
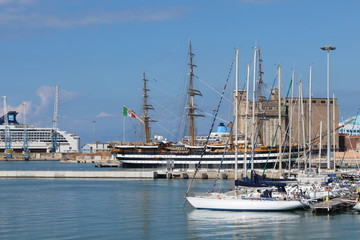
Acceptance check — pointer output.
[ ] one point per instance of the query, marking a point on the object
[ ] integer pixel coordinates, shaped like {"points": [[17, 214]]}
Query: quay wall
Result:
{"points": [[78, 174]]}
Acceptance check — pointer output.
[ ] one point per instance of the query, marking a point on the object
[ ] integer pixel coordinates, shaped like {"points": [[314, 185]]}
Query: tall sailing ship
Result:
{"points": [[193, 151]]}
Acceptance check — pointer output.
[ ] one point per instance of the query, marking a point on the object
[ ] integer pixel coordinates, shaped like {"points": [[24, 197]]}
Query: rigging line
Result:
{"points": [[165, 91], [262, 121], [264, 114], [223, 156], [167, 110], [181, 110], [164, 85], [342, 160], [208, 85], [274, 138], [172, 51], [166, 130], [283, 144], [211, 115], [212, 125]]}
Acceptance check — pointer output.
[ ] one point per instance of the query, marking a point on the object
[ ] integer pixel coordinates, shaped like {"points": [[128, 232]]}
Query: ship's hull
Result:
{"points": [[207, 160]]}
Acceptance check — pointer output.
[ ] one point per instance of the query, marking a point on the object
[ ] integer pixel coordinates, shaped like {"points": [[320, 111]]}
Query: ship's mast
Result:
{"points": [[146, 108], [191, 93], [260, 96]]}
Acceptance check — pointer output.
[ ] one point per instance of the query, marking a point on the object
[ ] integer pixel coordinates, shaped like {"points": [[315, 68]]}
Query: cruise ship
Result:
{"points": [[39, 139]]}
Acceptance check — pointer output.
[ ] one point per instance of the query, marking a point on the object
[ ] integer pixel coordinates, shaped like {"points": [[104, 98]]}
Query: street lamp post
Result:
{"points": [[328, 48]]}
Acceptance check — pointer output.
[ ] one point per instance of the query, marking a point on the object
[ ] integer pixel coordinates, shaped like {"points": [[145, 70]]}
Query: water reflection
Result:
{"points": [[244, 225]]}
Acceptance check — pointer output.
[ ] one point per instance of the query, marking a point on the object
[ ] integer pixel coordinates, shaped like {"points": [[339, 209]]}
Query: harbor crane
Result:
{"points": [[26, 151], [8, 150], [54, 140]]}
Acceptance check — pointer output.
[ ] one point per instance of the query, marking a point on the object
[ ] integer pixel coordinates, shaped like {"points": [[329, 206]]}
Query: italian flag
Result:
{"points": [[128, 113]]}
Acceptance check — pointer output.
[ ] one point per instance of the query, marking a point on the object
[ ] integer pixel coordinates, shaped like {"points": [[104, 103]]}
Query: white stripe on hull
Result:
{"points": [[194, 159]]}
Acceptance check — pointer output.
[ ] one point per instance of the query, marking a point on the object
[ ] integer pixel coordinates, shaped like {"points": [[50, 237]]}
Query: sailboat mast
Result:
{"points": [[334, 132], [279, 111], [298, 126], [191, 93], [303, 121], [291, 117], [236, 110], [260, 97], [253, 112], [310, 115], [146, 108], [246, 118], [320, 146]]}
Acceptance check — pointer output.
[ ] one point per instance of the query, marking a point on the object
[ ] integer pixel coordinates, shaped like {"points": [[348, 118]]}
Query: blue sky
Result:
{"points": [[97, 50]]}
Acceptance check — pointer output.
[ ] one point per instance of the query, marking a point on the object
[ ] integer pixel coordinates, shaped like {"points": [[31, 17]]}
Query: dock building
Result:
{"points": [[295, 118]]}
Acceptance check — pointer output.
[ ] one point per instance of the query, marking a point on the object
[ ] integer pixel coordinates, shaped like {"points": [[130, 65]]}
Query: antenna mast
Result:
{"points": [[191, 93]]}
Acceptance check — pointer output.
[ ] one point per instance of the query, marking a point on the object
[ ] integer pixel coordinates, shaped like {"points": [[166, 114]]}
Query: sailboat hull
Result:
{"points": [[357, 207], [244, 204]]}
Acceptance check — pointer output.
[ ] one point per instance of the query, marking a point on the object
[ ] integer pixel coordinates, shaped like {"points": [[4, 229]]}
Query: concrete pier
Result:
{"points": [[78, 174]]}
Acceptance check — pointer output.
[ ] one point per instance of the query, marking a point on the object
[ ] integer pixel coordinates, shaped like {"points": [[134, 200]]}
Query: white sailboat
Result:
{"points": [[357, 207], [241, 203], [246, 199]]}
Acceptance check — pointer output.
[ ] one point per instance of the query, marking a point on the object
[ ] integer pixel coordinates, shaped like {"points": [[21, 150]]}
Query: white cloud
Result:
{"points": [[67, 96], [41, 114], [16, 2], [104, 114], [21, 16], [46, 95]]}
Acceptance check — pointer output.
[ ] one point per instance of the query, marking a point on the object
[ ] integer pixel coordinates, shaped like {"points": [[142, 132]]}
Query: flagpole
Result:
{"points": [[124, 128]]}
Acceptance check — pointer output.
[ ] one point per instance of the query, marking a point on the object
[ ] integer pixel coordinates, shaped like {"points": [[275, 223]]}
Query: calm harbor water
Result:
{"points": [[142, 209]]}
